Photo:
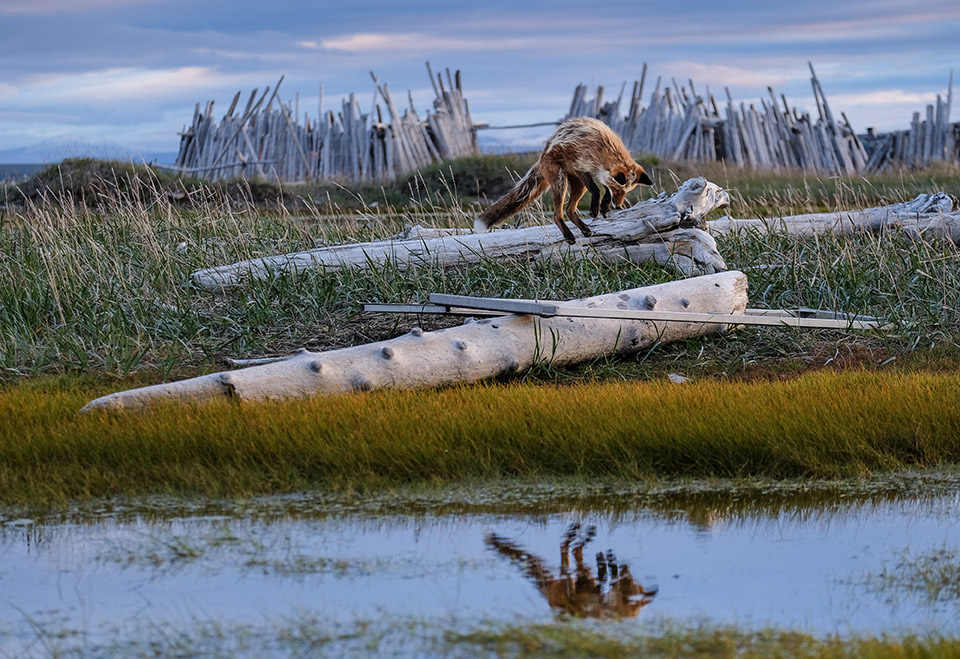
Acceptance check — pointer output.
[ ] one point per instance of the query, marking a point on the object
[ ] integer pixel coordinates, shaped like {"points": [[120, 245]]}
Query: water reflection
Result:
{"points": [[611, 592], [828, 559]]}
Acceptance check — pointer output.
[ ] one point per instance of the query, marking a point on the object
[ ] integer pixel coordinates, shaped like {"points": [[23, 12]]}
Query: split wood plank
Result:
{"points": [[443, 309], [547, 310]]}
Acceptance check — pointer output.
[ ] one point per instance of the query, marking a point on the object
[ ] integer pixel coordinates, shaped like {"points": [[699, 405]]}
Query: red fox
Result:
{"points": [[581, 150]]}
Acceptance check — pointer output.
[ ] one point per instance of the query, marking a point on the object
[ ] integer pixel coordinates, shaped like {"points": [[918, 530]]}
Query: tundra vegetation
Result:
{"points": [[95, 261]]}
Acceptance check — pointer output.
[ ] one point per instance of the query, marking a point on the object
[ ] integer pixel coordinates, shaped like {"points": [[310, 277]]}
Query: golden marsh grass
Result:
{"points": [[819, 425]]}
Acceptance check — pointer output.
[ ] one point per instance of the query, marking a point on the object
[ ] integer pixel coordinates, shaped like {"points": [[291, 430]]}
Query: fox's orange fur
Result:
{"points": [[581, 153]]}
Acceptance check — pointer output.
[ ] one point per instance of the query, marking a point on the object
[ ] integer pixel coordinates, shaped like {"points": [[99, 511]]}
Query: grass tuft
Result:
{"points": [[933, 576]]}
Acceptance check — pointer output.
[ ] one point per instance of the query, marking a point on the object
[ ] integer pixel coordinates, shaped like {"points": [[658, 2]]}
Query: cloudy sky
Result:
{"points": [[131, 71]]}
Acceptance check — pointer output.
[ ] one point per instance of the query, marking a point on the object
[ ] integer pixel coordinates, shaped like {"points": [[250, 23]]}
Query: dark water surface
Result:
{"points": [[824, 561]]}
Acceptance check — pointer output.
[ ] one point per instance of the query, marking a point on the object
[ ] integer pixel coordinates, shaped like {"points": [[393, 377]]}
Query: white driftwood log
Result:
{"points": [[666, 230], [926, 216], [473, 351]]}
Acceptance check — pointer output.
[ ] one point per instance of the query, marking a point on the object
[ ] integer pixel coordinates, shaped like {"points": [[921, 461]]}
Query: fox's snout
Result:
{"points": [[619, 197]]}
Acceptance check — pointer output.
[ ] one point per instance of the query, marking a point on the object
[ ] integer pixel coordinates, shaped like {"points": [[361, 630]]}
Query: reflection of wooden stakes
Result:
{"points": [[612, 592]]}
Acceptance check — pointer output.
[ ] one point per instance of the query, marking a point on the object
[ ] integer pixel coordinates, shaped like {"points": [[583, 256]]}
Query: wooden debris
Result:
{"points": [[667, 230], [763, 317], [928, 216], [465, 353], [788, 316], [679, 124], [932, 140], [272, 142]]}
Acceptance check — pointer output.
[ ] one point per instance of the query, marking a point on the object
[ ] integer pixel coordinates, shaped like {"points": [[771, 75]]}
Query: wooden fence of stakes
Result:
{"points": [[679, 124], [267, 139], [934, 139]]}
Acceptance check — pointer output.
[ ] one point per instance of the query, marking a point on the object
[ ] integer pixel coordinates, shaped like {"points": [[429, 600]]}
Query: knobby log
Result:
{"points": [[667, 230], [927, 216], [470, 352]]}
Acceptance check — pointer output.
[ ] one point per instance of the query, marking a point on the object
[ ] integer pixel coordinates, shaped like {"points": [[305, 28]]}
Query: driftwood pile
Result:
{"points": [[668, 230], [268, 140], [655, 229], [933, 139], [681, 124]]}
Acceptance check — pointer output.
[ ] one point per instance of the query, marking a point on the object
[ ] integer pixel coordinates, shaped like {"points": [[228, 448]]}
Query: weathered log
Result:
{"points": [[925, 217], [666, 229], [470, 352]]}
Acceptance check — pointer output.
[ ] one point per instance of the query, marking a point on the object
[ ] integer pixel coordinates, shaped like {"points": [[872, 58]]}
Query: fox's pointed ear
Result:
{"points": [[644, 179]]}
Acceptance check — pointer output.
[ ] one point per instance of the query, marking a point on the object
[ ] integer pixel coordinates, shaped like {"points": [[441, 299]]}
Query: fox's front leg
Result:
{"points": [[595, 196], [606, 202], [568, 537]]}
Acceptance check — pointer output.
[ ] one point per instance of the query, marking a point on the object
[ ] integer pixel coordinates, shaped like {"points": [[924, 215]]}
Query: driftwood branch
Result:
{"points": [[667, 230], [927, 216], [473, 351]]}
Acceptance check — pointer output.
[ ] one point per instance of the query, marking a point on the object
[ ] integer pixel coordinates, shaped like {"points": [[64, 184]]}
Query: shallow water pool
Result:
{"points": [[831, 563]]}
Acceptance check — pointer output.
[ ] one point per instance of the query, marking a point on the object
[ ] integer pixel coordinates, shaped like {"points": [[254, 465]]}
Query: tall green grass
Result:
{"points": [[101, 284], [819, 425]]}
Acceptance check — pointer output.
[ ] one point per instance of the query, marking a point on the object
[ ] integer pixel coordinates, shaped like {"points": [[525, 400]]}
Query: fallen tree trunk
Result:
{"points": [[927, 216], [473, 351], [667, 230]]}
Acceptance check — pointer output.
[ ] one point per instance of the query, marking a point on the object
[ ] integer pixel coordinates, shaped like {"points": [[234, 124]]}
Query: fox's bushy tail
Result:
{"points": [[531, 564], [524, 193]]}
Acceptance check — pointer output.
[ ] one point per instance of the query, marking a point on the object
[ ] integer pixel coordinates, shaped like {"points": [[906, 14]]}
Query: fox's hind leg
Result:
{"points": [[559, 189], [577, 190]]}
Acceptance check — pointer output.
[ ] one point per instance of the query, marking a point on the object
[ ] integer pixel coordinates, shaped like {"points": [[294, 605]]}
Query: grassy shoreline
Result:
{"points": [[818, 425], [668, 639]]}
